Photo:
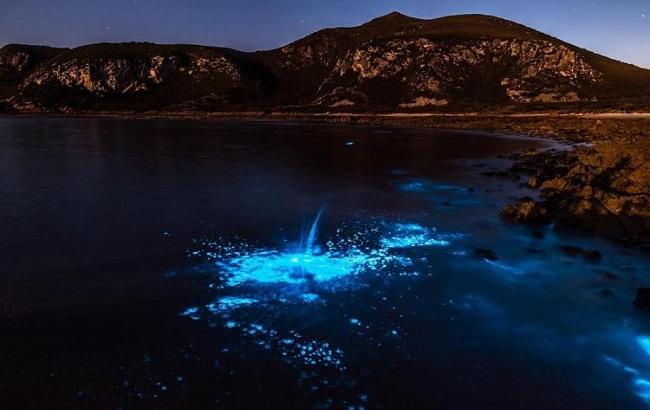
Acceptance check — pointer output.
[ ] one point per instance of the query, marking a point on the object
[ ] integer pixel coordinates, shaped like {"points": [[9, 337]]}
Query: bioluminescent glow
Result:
{"points": [[411, 235], [372, 249], [428, 186], [230, 303], [313, 231], [192, 313], [310, 297], [306, 273], [292, 268], [295, 348], [411, 241], [644, 342], [642, 387]]}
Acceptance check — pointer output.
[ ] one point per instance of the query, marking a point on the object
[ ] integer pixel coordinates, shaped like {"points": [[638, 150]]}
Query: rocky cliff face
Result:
{"points": [[16, 61], [137, 75], [429, 72], [391, 63]]}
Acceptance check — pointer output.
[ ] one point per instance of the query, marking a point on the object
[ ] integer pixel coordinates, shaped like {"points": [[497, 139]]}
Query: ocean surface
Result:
{"points": [[201, 264]]}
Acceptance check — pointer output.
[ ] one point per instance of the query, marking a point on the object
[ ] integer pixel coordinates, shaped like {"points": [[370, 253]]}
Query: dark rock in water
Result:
{"points": [[502, 174], [642, 299], [470, 190], [590, 255], [537, 235], [607, 293], [486, 254], [533, 182], [611, 276], [593, 255], [573, 251], [535, 251], [526, 210]]}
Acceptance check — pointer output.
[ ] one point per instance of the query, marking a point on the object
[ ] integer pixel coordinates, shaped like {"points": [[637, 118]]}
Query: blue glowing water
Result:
{"points": [[362, 251], [313, 231], [173, 271]]}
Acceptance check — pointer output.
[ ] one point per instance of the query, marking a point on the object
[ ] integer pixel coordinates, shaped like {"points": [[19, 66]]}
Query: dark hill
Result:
{"points": [[394, 62]]}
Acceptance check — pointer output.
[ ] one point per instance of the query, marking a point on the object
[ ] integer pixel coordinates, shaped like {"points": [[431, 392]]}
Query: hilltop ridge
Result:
{"points": [[393, 62]]}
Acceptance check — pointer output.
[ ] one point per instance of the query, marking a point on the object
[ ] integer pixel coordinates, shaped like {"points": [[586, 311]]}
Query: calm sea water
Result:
{"points": [[187, 264]]}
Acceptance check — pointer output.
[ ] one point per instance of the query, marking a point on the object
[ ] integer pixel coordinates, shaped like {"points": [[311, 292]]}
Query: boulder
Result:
{"points": [[526, 210], [642, 299], [486, 254]]}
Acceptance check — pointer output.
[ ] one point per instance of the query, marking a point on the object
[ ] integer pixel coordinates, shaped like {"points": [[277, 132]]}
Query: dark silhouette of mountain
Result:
{"points": [[391, 63]]}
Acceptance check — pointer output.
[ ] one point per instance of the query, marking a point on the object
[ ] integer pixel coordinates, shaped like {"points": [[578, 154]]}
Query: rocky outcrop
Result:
{"points": [[106, 75], [137, 75], [526, 210], [642, 299], [17, 61], [424, 70], [603, 188]]}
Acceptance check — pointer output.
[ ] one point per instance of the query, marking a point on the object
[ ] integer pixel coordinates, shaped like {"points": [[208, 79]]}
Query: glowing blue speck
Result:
{"points": [[644, 342], [191, 312], [643, 389]]}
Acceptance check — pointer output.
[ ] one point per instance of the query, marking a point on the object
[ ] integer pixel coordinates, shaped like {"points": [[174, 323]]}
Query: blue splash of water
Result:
{"points": [[313, 232], [293, 268]]}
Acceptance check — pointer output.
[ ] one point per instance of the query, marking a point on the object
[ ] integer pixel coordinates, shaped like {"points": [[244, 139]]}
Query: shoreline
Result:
{"points": [[281, 115], [600, 185]]}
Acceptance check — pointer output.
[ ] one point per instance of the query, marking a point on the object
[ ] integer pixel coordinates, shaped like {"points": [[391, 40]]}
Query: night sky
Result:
{"points": [[619, 29]]}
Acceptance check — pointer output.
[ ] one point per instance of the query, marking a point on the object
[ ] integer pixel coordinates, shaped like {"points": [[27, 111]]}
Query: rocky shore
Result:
{"points": [[599, 184]]}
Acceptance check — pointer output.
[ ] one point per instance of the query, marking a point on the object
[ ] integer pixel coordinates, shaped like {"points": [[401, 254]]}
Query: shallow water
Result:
{"points": [[177, 264]]}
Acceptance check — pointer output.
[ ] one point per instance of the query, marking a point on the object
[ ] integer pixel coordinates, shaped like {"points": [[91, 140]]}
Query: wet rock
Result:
{"points": [[572, 251], [602, 189], [642, 299], [592, 255], [502, 174], [606, 293], [609, 276], [526, 210], [535, 251], [533, 182], [485, 254]]}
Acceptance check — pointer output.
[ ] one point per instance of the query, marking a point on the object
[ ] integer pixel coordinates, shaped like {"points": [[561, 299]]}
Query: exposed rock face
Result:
{"points": [[17, 61], [134, 75], [106, 75], [123, 76], [519, 70]]}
